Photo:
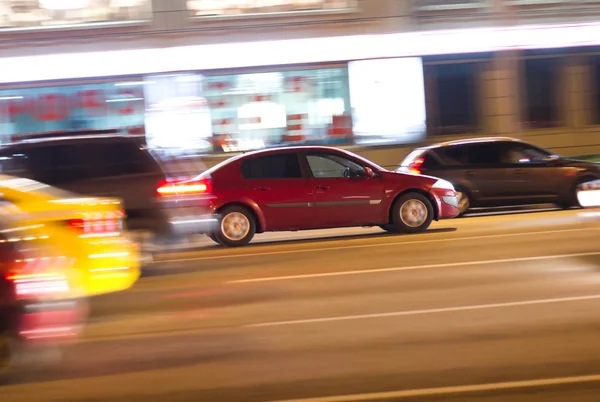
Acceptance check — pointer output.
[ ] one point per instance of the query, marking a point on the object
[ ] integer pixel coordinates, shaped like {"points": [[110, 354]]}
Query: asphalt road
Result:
{"points": [[494, 308]]}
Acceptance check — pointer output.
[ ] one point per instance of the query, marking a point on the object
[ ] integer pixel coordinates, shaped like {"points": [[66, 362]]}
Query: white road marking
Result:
{"points": [[413, 268], [428, 311], [359, 246], [460, 389]]}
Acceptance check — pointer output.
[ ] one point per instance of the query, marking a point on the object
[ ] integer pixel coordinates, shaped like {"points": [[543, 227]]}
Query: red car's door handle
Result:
{"points": [[321, 188], [262, 188]]}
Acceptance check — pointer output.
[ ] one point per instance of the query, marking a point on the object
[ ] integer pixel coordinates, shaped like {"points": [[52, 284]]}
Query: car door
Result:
{"points": [[343, 194], [478, 168], [121, 169], [535, 175], [276, 183]]}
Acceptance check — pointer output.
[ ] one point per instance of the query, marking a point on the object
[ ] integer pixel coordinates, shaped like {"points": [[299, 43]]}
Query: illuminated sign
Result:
{"points": [[38, 14], [205, 8], [56, 106]]}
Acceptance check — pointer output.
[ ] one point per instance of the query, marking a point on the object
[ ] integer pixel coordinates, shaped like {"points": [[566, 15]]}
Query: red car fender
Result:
{"points": [[408, 183], [220, 203]]}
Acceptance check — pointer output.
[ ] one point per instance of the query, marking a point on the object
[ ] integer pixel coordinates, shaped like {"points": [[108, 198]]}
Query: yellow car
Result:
{"points": [[88, 231]]}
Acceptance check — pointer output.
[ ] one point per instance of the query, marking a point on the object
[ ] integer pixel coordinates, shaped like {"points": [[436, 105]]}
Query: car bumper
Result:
{"points": [[447, 203], [189, 216], [111, 264]]}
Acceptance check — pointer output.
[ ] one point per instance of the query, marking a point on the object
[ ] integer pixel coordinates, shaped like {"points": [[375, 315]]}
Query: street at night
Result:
{"points": [[488, 306]]}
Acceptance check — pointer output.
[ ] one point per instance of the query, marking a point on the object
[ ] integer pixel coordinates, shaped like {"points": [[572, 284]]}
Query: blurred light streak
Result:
{"points": [[295, 51]]}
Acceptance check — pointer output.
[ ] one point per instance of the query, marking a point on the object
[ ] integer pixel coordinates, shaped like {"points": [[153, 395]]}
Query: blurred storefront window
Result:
{"points": [[205, 8], [74, 107], [189, 111], [251, 111], [31, 14]]}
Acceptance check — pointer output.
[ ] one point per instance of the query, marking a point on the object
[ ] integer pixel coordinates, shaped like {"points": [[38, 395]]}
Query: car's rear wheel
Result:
{"points": [[237, 226], [412, 213]]}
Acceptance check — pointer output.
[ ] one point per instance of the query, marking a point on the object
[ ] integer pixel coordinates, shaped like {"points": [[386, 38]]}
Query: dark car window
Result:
{"points": [[58, 163], [488, 153], [333, 166], [455, 155], [430, 161], [278, 166], [14, 164], [119, 158], [523, 153]]}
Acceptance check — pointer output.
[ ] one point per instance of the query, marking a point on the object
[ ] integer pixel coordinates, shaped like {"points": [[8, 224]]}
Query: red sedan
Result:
{"points": [[301, 188]]}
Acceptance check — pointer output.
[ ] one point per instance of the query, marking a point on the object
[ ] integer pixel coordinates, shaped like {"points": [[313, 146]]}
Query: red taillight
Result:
{"points": [[104, 223], [415, 166], [184, 187], [37, 276]]}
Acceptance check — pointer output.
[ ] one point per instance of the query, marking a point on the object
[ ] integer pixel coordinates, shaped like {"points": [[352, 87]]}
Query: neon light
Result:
{"points": [[295, 51]]}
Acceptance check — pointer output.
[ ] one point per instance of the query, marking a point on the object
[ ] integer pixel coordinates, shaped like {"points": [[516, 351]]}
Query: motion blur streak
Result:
{"points": [[425, 237], [453, 390], [417, 267], [430, 311], [184, 333]]}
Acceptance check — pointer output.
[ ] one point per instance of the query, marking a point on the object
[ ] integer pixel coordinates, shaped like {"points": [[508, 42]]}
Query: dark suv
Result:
{"points": [[490, 172], [109, 165]]}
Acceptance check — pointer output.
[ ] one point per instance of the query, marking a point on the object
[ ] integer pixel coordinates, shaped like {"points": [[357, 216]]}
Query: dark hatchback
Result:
{"points": [[492, 172]]}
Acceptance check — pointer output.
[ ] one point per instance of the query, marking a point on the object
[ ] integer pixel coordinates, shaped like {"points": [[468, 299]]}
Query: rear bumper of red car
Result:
{"points": [[447, 203]]}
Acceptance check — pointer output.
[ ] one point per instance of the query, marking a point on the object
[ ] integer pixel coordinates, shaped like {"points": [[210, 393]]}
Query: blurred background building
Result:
{"points": [[205, 76]]}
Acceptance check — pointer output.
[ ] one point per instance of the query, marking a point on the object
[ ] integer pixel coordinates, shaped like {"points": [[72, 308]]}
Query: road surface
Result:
{"points": [[498, 308]]}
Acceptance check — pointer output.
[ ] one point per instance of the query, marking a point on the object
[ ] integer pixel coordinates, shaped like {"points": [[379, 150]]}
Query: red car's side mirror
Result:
{"points": [[369, 173]]}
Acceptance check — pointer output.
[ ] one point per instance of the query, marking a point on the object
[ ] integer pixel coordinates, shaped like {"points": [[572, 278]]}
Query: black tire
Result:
{"points": [[465, 200], [245, 217], [389, 228], [213, 237], [420, 205]]}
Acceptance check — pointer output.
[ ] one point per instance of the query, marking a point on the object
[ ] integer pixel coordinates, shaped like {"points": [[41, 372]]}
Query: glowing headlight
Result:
{"points": [[589, 198], [443, 184]]}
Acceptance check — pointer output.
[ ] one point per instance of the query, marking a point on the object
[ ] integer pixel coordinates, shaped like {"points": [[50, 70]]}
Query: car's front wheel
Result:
{"points": [[572, 200], [236, 227], [213, 237], [464, 201], [412, 213]]}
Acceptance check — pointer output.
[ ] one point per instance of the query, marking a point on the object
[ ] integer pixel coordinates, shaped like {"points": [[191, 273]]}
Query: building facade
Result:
{"points": [[229, 75]]}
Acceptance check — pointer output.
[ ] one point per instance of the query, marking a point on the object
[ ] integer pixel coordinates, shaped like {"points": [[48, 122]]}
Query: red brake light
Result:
{"points": [[166, 188], [416, 165], [106, 223]]}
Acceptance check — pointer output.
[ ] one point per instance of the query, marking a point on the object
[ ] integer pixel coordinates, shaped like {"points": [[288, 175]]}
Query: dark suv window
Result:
{"points": [[58, 163], [120, 158], [278, 166]]}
